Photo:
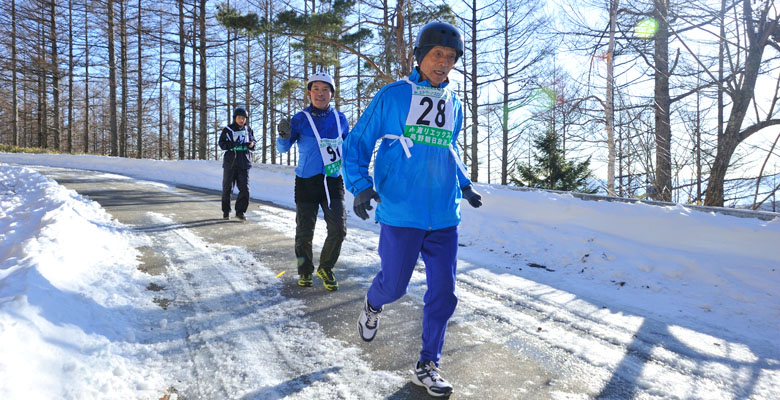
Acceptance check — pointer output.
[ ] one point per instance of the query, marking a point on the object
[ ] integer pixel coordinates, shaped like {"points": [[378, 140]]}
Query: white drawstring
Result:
{"points": [[406, 143]]}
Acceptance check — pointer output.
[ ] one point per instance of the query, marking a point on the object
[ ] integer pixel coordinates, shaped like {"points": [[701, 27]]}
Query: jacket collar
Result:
{"points": [[234, 126], [416, 77], [316, 112]]}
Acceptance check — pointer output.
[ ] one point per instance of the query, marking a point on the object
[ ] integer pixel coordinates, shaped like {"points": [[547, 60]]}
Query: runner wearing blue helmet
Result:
{"points": [[418, 184]]}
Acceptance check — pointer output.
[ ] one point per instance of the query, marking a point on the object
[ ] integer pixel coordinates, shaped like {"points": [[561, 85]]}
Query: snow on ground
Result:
{"points": [[704, 286]]}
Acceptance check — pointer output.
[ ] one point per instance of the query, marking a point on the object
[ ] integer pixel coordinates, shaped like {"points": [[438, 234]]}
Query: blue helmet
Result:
{"points": [[437, 34]]}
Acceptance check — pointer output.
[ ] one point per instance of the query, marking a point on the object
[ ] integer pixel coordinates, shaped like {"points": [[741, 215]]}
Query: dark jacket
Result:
{"points": [[235, 141]]}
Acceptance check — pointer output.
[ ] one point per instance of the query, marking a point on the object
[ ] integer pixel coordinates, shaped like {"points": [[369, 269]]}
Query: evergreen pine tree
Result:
{"points": [[551, 170]]}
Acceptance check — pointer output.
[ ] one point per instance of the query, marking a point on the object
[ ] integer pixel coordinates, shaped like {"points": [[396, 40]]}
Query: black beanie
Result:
{"points": [[420, 52]]}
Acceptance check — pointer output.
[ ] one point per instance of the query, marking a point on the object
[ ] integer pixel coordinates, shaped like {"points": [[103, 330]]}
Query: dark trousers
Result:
{"points": [[239, 177], [399, 249], [309, 198]]}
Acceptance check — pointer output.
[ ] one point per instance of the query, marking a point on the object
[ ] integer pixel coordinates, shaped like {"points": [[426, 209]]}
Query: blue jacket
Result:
{"points": [[418, 192], [310, 161]]}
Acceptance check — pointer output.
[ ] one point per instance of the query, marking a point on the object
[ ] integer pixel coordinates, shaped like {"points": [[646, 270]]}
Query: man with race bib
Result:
{"points": [[319, 131], [418, 184]]}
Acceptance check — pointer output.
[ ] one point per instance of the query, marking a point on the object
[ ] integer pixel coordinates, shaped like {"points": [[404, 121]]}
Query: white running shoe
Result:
{"points": [[427, 375], [368, 322]]}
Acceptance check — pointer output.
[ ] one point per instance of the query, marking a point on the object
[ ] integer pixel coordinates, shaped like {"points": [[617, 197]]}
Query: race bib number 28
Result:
{"points": [[430, 117]]}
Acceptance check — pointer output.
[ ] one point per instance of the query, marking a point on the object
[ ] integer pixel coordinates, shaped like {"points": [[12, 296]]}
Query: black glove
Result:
{"points": [[363, 202], [284, 128], [474, 198]]}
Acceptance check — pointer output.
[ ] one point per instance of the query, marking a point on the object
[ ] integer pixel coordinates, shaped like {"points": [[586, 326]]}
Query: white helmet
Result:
{"points": [[321, 77]]}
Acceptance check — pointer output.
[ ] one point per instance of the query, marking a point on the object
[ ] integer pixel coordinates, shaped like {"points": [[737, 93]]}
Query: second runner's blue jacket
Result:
{"points": [[310, 161]]}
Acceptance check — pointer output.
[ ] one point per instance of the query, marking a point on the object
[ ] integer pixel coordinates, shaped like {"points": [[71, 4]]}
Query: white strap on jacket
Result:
{"points": [[314, 128], [231, 136], [317, 135], [406, 143]]}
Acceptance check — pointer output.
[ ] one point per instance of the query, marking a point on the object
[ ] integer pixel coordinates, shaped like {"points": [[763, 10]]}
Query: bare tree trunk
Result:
{"points": [[86, 81], [25, 138], [195, 84], [235, 77], [247, 80], [610, 106], [55, 76], [400, 35], [721, 57], [758, 33], [474, 96], [266, 77], [663, 132], [466, 106], [698, 144], [227, 77], [125, 88], [41, 92], [182, 79], [386, 35], [271, 75], [14, 105], [289, 94], [70, 76], [139, 153], [112, 81], [358, 86], [168, 124], [160, 106], [505, 100], [202, 154]]}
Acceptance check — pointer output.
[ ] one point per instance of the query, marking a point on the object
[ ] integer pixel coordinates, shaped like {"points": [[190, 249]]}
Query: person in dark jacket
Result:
{"points": [[238, 140], [318, 131]]}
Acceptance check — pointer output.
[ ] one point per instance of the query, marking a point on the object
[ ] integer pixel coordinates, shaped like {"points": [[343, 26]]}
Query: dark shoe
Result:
{"points": [[225, 216], [427, 375], [304, 280], [241, 217], [368, 322], [328, 279]]}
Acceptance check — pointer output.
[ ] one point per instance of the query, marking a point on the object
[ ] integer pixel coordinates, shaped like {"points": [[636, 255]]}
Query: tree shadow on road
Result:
{"points": [[651, 335], [291, 386]]}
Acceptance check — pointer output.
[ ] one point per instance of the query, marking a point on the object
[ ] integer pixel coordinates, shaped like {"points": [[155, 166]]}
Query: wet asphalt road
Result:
{"points": [[479, 369]]}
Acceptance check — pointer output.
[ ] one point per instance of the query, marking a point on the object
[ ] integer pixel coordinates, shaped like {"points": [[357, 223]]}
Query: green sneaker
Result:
{"points": [[328, 280], [304, 280]]}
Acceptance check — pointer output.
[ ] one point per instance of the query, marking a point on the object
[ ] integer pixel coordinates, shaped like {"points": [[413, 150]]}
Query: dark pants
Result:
{"points": [[399, 249], [240, 177], [309, 198]]}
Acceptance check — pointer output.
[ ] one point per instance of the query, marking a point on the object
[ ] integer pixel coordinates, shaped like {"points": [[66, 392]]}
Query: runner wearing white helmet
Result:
{"points": [[319, 131]]}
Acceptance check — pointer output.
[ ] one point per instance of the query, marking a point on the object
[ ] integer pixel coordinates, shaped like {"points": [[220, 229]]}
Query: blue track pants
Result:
{"points": [[399, 249]]}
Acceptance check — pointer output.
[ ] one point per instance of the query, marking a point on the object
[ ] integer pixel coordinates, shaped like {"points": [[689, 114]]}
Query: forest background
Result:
{"points": [[659, 99]]}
